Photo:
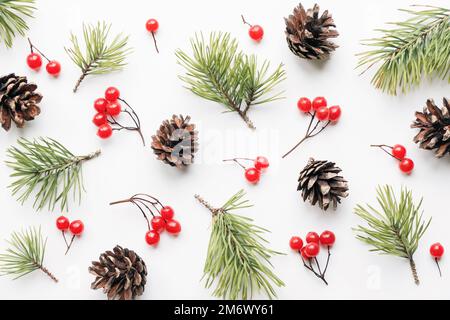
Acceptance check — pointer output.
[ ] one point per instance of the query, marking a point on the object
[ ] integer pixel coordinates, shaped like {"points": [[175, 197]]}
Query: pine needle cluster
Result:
{"points": [[12, 19]]}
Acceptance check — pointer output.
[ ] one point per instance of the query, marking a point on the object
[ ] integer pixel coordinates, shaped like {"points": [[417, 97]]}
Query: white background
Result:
{"points": [[151, 85]]}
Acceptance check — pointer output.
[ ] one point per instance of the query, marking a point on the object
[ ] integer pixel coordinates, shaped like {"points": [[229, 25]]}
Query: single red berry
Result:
{"points": [[335, 113], [304, 254], [327, 238], [312, 250], [105, 131], [114, 109], [62, 223], [256, 32], [407, 166], [304, 105], [252, 175], [158, 224], [112, 94], [323, 114], [312, 237], [100, 119], [77, 227], [437, 250], [173, 227], [53, 68], [100, 105], [152, 25], [319, 102], [34, 61], [296, 243], [399, 152], [167, 213], [152, 238], [261, 163]]}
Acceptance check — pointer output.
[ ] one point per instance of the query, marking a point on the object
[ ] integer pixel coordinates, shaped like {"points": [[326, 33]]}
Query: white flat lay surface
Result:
{"points": [[150, 84]]}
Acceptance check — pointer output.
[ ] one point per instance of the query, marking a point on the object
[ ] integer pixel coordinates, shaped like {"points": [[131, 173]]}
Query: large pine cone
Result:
{"points": [[175, 143], [18, 101], [307, 33], [321, 183], [121, 274], [434, 125]]}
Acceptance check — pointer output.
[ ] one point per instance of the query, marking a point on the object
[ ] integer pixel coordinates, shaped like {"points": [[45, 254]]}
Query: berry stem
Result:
{"points": [[48, 273], [154, 40], [438, 266], [245, 22], [328, 261], [70, 244], [383, 147], [310, 267], [237, 161], [134, 117], [64, 237], [32, 48]]}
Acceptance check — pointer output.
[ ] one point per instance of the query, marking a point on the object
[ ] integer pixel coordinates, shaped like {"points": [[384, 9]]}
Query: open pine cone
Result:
{"points": [[434, 125], [307, 34], [18, 101], [175, 143], [121, 274], [321, 183]]}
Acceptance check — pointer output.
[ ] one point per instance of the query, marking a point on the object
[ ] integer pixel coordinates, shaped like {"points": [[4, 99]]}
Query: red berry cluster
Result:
{"points": [[311, 250], [76, 228], [256, 32], [162, 220], [34, 61], [253, 174], [152, 26], [398, 152], [437, 252]]}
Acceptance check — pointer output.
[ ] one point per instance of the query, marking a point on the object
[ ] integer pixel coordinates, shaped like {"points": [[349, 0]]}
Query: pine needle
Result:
{"points": [[415, 49], [12, 22]]}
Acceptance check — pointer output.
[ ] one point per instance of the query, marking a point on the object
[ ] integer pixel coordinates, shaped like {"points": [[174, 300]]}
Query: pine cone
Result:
{"points": [[434, 125], [121, 274], [175, 143], [307, 33], [18, 101], [321, 183]]}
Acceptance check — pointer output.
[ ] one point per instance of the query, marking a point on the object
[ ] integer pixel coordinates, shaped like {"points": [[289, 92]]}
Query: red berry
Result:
{"points": [[312, 237], [335, 113], [173, 227], [253, 175], [304, 105], [158, 224], [304, 255], [100, 105], [105, 131], [296, 243], [100, 119], [152, 25], [261, 163], [256, 32], [437, 250], [323, 114], [114, 108], [112, 94], [167, 213], [77, 227], [34, 61], [312, 250], [399, 152], [152, 238], [53, 68], [407, 166], [327, 238], [319, 102], [62, 223]]}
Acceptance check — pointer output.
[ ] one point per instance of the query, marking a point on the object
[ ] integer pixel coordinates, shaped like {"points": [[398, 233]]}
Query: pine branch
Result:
{"points": [[101, 55], [415, 49], [46, 167], [237, 259], [12, 22], [218, 72], [397, 229], [25, 255]]}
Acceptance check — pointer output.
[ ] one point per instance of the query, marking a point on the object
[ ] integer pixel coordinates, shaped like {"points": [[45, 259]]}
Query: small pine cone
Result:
{"points": [[434, 125], [307, 34], [121, 274], [321, 183], [18, 101], [175, 143]]}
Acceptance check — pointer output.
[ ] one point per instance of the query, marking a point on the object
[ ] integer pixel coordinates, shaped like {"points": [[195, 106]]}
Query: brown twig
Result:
{"points": [[134, 117], [48, 273], [207, 205]]}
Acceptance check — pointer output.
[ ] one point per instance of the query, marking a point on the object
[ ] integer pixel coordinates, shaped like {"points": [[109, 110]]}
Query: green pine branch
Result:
{"points": [[47, 169], [219, 72], [396, 229], [101, 55], [414, 49], [12, 19], [25, 255], [237, 259]]}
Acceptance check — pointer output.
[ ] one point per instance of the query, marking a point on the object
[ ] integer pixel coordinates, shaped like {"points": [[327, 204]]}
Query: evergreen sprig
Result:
{"points": [[416, 48], [397, 229], [12, 22], [219, 72], [101, 55], [237, 259], [46, 167], [25, 255]]}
